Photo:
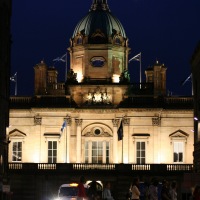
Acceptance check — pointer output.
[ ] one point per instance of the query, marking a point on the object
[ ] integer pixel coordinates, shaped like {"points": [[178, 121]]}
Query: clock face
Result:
{"points": [[97, 61]]}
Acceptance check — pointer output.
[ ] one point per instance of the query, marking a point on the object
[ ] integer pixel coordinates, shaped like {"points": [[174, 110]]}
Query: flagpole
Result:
{"points": [[16, 85], [140, 71], [122, 149], [122, 144]]}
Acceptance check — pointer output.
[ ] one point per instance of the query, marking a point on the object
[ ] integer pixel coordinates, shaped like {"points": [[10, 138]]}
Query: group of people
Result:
{"points": [[151, 192], [92, 192]]}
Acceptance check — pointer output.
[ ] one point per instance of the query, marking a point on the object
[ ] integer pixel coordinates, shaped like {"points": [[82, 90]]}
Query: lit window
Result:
{"points": [[17, 151], [107, 152], [52, 151], [178, 151], [140, 152], [97, 152], [86, 152]]}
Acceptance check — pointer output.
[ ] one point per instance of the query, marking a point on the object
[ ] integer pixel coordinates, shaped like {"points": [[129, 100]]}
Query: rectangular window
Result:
{"points": [[140, 152], [97, 152], [107, 152], [52, 151], [178, 151], [17, 151]]}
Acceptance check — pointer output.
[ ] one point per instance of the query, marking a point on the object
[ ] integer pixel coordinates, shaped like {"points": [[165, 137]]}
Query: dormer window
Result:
{"points": [[79, 40], [117, 41]]}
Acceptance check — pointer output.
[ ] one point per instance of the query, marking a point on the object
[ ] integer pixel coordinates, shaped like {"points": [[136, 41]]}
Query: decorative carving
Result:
{"points": [[37, 120], [126, 121], [68, 120], [98, 97], [71, 77], [156, 121], [115, 122], [78, 122]]}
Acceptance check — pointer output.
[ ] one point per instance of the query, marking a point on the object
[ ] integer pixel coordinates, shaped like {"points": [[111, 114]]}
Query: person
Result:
{"points": [[196, 193], [81, 189], [135, 189], [92, 191], [106, 195], [153, 190], [173, 191], [165, 195]]}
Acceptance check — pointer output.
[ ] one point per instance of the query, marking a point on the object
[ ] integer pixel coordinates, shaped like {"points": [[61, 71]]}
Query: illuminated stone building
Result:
{"points": [[5, 46], [77, 121], [195, 63]]}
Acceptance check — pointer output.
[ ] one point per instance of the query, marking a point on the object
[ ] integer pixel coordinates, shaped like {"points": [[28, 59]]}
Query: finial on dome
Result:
{"points": [[100, 4]]}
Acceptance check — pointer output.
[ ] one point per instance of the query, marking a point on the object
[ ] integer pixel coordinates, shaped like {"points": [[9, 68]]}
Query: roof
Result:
{"points": [[99, 18]]}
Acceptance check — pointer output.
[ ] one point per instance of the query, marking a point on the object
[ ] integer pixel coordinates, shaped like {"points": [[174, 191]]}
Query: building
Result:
{"points": [[97, 119], [5, 46], [195, 63]]}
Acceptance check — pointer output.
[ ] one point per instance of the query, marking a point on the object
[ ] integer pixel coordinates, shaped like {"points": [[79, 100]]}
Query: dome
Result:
{"points": [[99, 19]]}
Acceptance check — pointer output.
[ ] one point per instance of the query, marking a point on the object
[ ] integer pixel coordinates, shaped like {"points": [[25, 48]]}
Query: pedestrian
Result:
{"points": [[135, 189], [92, 191], [165, 195], [173, 192], [81, 189], [153, 190], [196, 193], [106, 195]]}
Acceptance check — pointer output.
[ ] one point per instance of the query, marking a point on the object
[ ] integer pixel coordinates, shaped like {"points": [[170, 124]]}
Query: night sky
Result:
{"points": [[163, 30]]}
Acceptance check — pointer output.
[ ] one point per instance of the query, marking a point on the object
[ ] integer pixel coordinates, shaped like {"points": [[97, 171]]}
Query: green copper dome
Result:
{"points": [[99, 20]]}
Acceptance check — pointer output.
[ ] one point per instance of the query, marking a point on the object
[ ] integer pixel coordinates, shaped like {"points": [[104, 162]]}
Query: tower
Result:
{"points": [[98, 56]]}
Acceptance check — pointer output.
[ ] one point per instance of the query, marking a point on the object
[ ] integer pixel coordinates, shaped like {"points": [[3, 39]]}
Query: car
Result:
{"points": [[68, 191]]}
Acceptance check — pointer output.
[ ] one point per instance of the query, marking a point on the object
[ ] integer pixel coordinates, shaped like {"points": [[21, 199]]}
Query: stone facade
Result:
{"points": [[159, 130], [195, 64]]}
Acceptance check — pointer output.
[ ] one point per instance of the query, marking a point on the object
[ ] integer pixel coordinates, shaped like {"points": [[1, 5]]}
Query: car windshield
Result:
{"points": [[68, 191]]}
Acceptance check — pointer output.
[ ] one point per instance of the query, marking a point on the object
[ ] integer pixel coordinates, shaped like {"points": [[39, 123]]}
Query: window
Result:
{"points": [[117, 41], [86, 152], [52, 151], [178, 151], [97, 152], [79, 40], [107, 152], [17, 151], [140, 152]]}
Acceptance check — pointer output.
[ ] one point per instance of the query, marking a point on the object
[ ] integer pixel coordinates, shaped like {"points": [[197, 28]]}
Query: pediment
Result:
{"points": [[103, 134], [16, 133], [179, 134], [97, 130]]}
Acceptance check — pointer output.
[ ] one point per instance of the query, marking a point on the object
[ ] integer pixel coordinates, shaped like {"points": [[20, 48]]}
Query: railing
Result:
{"points": [[20, 99], [156, 168], [94, 166]]}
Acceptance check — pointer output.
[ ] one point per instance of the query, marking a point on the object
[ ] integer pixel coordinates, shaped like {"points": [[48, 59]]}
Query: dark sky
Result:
{"points": [[163, 30]]}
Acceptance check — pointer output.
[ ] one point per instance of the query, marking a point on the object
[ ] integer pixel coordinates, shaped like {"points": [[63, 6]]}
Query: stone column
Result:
{"points": [[115, 140], [78, 140], [68, 135], [125, 140]]}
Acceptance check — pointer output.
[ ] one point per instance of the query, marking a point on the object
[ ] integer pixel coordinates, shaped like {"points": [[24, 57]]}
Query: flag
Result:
{"points": [[120, 131], [63, 126], [14, 77], [136, 57]]}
